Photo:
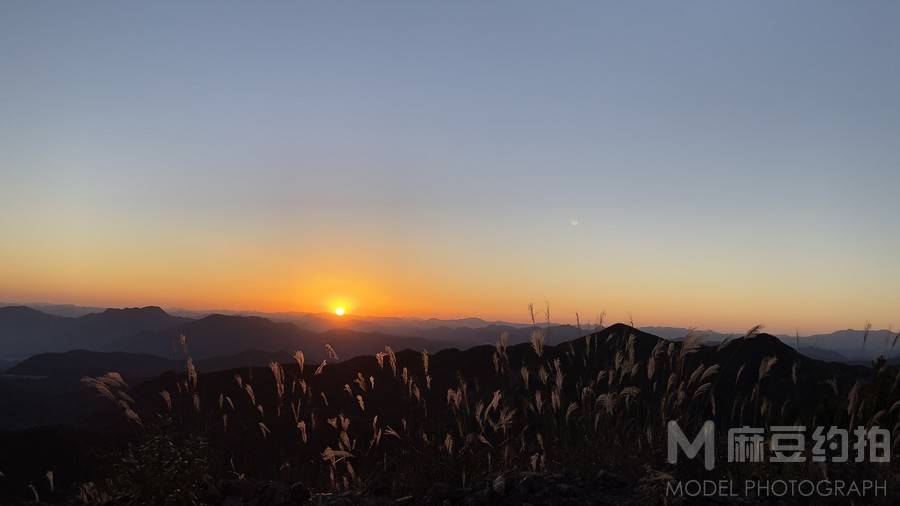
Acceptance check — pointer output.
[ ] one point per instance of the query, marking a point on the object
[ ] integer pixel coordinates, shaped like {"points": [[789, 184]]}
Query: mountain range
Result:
{"points": [[46, 389], [47, 354], [26, 331]]}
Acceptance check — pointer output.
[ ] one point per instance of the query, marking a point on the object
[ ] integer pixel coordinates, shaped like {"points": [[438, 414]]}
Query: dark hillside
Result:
{"points": [[401, 423]]}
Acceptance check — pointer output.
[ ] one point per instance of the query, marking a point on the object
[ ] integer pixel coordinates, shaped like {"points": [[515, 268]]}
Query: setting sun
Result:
{"points": [[339, 311]]}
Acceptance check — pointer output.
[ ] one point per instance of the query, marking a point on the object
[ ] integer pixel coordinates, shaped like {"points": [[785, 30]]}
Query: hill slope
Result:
{"points": [[223, 335], [25, 331]]}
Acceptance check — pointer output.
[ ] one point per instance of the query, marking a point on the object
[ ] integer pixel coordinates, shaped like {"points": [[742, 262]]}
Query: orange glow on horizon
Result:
{"points": [[430, 287]]}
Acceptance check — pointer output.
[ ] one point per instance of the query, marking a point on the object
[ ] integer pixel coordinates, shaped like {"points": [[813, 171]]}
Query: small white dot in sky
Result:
{"points": [[574, 223]]}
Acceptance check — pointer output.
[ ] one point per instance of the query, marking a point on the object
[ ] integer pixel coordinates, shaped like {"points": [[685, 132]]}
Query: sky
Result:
{"points": [[708, 164]]}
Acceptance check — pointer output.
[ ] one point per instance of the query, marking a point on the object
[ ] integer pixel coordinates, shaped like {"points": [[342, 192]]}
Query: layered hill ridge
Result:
{"points": [[25, 331], [603, 399], [582, 357], [750, 367], [222, 335], [606, 395]]}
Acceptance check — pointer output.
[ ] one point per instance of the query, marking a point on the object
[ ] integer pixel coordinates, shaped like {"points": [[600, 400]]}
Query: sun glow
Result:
{"points": [[339, 311]]}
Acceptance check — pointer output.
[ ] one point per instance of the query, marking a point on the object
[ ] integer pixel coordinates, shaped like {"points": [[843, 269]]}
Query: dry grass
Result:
{"points": [[604, 403]]}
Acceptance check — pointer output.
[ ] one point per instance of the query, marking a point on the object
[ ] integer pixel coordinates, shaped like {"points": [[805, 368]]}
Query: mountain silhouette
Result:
{"points": [[218, 335], [465, 337], [225, 335], [26, 331], [79, 363], [743, 377], [789, 377]]}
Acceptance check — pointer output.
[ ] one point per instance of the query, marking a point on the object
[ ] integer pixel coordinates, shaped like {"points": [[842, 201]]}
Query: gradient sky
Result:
{"points": [[711, 164]]}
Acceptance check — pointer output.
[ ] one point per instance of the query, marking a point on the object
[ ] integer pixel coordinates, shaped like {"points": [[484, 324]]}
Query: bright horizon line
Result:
{"points": [[350, 314]]}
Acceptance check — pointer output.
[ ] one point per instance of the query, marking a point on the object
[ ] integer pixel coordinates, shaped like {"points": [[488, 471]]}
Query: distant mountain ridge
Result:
{"points": [[839, 346], [76, 364], [320, 322], [395, 325], [25, 331], [854, 344], [222, 335], [52, 379], [66, 310], [676, 333]]}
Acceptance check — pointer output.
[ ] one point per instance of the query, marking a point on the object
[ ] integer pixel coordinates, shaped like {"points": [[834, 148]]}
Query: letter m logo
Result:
{"points": [[705, 440]]}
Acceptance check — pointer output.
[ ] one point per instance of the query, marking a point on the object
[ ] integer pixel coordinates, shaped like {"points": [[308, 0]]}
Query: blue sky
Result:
{"points": [[727, 164]]}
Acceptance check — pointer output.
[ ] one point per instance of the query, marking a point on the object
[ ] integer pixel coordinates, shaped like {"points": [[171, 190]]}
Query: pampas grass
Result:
{"points": [[540, 408], [112, 387], [537, 341], [765, 366], [300, 359]]}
